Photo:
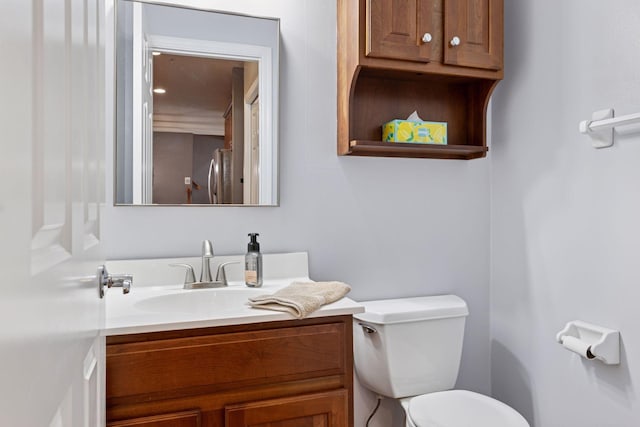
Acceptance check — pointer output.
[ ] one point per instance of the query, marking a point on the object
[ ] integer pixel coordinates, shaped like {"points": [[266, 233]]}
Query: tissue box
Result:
{"points": [[415, 132]]}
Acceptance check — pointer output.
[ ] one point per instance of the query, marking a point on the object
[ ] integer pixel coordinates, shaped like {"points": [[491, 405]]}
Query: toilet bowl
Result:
{"points": [[409, 349], [460, 408]]}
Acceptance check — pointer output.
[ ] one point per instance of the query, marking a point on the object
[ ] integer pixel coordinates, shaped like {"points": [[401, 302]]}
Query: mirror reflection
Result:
{"points": [[197, 107], [193, 127]]}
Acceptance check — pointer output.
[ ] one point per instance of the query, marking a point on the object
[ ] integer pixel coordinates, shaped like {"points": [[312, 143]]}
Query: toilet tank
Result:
{"points": [[409, 346]]}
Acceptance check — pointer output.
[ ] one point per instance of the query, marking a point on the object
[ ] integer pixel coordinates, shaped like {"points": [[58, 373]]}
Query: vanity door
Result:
{"points": [[327, 409]]}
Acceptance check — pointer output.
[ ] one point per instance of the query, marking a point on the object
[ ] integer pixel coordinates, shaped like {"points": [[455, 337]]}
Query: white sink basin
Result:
{"points": [[196, 301], [157, 301]]}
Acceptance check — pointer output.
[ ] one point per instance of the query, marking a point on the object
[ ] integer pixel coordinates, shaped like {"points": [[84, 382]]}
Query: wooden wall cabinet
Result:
{"points": [[280, 374], [442, 58]]}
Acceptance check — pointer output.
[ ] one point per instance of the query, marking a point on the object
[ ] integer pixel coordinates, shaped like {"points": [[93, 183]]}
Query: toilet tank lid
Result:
{"points": [[403, 310]]}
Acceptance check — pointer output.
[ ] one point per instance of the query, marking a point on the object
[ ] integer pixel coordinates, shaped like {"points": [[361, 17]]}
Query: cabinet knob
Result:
{"points": [[455, 41], [426, 38]]}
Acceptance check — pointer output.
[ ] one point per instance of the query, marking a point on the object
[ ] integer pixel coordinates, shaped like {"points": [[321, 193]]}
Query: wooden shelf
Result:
{"points": [[386, 72], [396, 149], [378, 97]]}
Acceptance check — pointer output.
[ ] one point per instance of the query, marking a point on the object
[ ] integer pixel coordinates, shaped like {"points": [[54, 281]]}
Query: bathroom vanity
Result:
{"points": [[287, 373], [190, 358]]}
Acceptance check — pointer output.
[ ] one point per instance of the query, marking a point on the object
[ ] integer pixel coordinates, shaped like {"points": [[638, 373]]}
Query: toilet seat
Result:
{"points": [[462, 408]]}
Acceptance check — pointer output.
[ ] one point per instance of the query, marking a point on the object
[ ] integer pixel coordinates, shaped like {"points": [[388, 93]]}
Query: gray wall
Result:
{"points": [[564, 225], [172, 162], [176, 156], [389, 227]]}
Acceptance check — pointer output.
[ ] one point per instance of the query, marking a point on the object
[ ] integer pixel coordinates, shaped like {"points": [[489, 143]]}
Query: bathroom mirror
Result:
{"points": [[196, 107]]}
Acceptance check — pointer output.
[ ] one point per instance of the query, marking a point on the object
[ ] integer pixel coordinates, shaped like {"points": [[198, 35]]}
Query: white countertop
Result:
{"points": [[125, 314], [170, 307]]}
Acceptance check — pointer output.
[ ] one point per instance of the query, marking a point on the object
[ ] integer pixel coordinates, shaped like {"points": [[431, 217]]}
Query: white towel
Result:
{"points": [[301, 298]]}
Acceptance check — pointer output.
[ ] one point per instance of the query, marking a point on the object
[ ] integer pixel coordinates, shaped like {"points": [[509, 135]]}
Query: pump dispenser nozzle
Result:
{"points": [[253, 245]]}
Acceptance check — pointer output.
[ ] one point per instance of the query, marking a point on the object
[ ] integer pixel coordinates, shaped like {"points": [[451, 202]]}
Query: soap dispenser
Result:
{"points": [[253, 263]]}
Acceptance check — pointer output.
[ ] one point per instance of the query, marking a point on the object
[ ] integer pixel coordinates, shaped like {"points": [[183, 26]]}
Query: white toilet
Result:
{"points": [[409, 349]]}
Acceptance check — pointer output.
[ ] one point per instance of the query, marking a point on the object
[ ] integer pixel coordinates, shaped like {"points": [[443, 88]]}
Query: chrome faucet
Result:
{"points": [[205, 273], [207, 254]]}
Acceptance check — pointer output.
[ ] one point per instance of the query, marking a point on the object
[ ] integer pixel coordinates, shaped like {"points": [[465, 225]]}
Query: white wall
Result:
{"points": [[389, 227], [565, 217]]}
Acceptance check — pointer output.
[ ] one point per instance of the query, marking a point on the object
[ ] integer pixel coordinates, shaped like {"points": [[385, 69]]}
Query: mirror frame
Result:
{"points": [[268, 83]]}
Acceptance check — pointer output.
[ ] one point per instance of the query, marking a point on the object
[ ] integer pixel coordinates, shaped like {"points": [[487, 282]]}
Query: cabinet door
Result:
{"points": [[176, 419], [473, 33], [314, 410], [395, 29]]}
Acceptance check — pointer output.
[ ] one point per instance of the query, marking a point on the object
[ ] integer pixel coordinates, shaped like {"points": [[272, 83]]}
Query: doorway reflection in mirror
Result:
{"points": [[196, 119]]}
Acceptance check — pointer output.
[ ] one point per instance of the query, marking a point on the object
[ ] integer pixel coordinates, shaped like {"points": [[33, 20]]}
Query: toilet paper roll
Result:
{"points": [[577, 346]]}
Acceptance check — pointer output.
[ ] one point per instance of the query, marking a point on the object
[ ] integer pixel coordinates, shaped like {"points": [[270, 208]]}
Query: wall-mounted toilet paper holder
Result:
{"points": [[591, 341]]}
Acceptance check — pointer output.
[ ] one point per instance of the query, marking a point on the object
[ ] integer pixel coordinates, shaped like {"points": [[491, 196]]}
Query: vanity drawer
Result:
{"points": [[192, 365]]}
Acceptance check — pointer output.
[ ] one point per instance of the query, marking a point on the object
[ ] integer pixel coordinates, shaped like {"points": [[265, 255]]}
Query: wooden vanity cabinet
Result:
{"points": [[281, 374], [442, 58]]}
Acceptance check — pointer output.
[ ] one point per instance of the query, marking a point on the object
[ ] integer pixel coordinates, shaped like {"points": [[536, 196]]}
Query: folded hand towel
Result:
{"points": [[301, 298]]}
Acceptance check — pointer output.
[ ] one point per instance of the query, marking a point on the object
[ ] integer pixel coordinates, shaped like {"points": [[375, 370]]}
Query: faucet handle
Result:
{"points": [[221, 275], [190, 275]]}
